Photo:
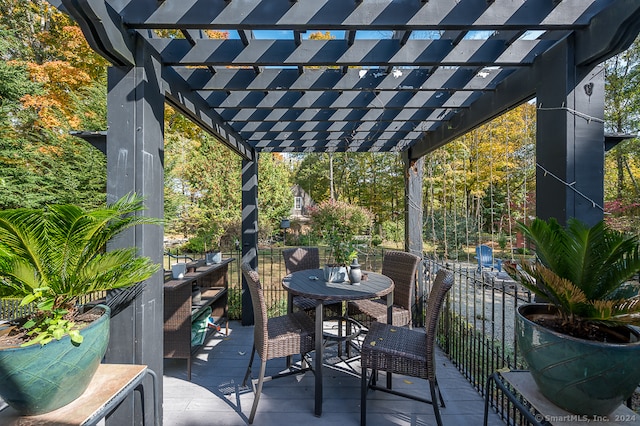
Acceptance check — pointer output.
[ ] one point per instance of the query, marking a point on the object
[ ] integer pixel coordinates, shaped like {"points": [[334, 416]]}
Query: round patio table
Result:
{"points": [[310, 283]]}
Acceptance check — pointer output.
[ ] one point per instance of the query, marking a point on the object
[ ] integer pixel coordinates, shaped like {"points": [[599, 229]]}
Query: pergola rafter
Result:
{"points": [[354, 79], [362, 53], [449, 54]]}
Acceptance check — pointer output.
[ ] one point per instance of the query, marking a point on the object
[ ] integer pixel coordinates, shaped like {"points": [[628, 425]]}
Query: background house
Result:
{"points": [[299, 215], [301, 203]]}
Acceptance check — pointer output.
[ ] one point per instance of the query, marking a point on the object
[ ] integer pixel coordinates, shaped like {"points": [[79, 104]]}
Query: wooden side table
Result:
{"points": [[513, 383], [110, 385]]}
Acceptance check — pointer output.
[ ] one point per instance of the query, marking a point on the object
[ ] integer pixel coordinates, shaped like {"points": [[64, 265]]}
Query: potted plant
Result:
{"points": [[53, 258], [343, 251], [580, 346], [212, 250], [337, 223]]}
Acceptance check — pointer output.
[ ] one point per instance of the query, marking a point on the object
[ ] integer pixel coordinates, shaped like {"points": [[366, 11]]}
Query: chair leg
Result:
{"points": [[439, 394], [364, 387], [340, 336], [248, 373], [434, 402], [258, 391]]}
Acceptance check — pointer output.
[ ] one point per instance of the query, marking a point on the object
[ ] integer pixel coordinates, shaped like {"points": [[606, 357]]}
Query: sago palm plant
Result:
{"points": [[583, 271], [51, 257]]}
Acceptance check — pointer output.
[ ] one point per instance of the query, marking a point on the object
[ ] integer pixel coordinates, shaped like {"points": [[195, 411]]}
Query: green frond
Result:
{"points": [[561, 289], [603, 310], [582, 270], [21, 237], [626, 311], [55, 255]]}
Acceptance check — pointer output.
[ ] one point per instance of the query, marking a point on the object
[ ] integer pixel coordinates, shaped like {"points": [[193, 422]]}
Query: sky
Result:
{"points": [[376, 35]]}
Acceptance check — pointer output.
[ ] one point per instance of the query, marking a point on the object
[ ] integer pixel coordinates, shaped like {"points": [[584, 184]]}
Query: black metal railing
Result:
{"points": [[10, 308], [476, 330]]}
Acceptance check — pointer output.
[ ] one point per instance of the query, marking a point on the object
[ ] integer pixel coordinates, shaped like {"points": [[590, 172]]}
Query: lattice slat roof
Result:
{"points": [[395, 76]]}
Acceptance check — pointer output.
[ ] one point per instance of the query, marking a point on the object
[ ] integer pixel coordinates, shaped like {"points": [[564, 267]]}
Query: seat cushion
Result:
{"points": [[332, 308], [367, 311], [396, 349]]}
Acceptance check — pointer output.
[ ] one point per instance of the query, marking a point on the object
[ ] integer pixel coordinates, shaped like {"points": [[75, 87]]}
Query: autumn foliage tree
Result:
{"points": [[46, 94], [622, 163], [478, 186]]}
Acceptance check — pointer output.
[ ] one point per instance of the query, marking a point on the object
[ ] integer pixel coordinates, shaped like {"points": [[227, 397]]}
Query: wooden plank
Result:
{"points": [[106, 385], [525, 385]]}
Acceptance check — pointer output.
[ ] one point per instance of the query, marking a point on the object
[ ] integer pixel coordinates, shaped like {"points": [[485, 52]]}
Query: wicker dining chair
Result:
{"points": [[407, 352], [298, 259], [401, 267], [276, 337]]}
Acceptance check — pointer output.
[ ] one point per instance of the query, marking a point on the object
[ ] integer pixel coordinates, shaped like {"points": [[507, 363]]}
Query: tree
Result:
{"points": [[482, 182], [44, 96], [622, 115], [274, 192], [371, 180], [338, 223], [311, 174], [203, 185]]}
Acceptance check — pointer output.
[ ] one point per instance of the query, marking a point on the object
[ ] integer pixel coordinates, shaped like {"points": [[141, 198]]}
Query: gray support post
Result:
{"points": [[249, 230], [570, 139], [413, 177], [135, 150]]}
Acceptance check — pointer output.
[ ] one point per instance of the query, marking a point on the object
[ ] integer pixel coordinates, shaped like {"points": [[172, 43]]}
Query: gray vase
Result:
{"points": [[178, 270], [355, 273]]}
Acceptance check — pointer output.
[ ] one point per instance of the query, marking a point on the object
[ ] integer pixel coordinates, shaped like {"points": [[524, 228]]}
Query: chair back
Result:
{"points": [[401, 267], [441, 285], [299, 258], [260, 333], [485, 255]]}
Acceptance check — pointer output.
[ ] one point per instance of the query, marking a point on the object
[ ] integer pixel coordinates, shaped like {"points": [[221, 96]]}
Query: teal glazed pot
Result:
{"points": [[38, 379], [581, 376]]}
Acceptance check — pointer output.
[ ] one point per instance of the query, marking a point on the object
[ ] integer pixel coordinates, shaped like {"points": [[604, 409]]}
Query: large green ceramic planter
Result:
{"points": [[581, 376], [38, 379]]}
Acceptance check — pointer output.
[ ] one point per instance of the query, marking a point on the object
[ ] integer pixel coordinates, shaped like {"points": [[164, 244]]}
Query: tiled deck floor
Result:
{"points": [[214, 397]]}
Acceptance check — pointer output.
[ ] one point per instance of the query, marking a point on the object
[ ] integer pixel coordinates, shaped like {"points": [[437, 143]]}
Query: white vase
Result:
{"points": [[335, 274], [213, 257], [178, 270]]}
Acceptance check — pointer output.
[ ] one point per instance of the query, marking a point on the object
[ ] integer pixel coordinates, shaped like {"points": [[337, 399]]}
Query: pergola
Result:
{"points": [[403, 76]]}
